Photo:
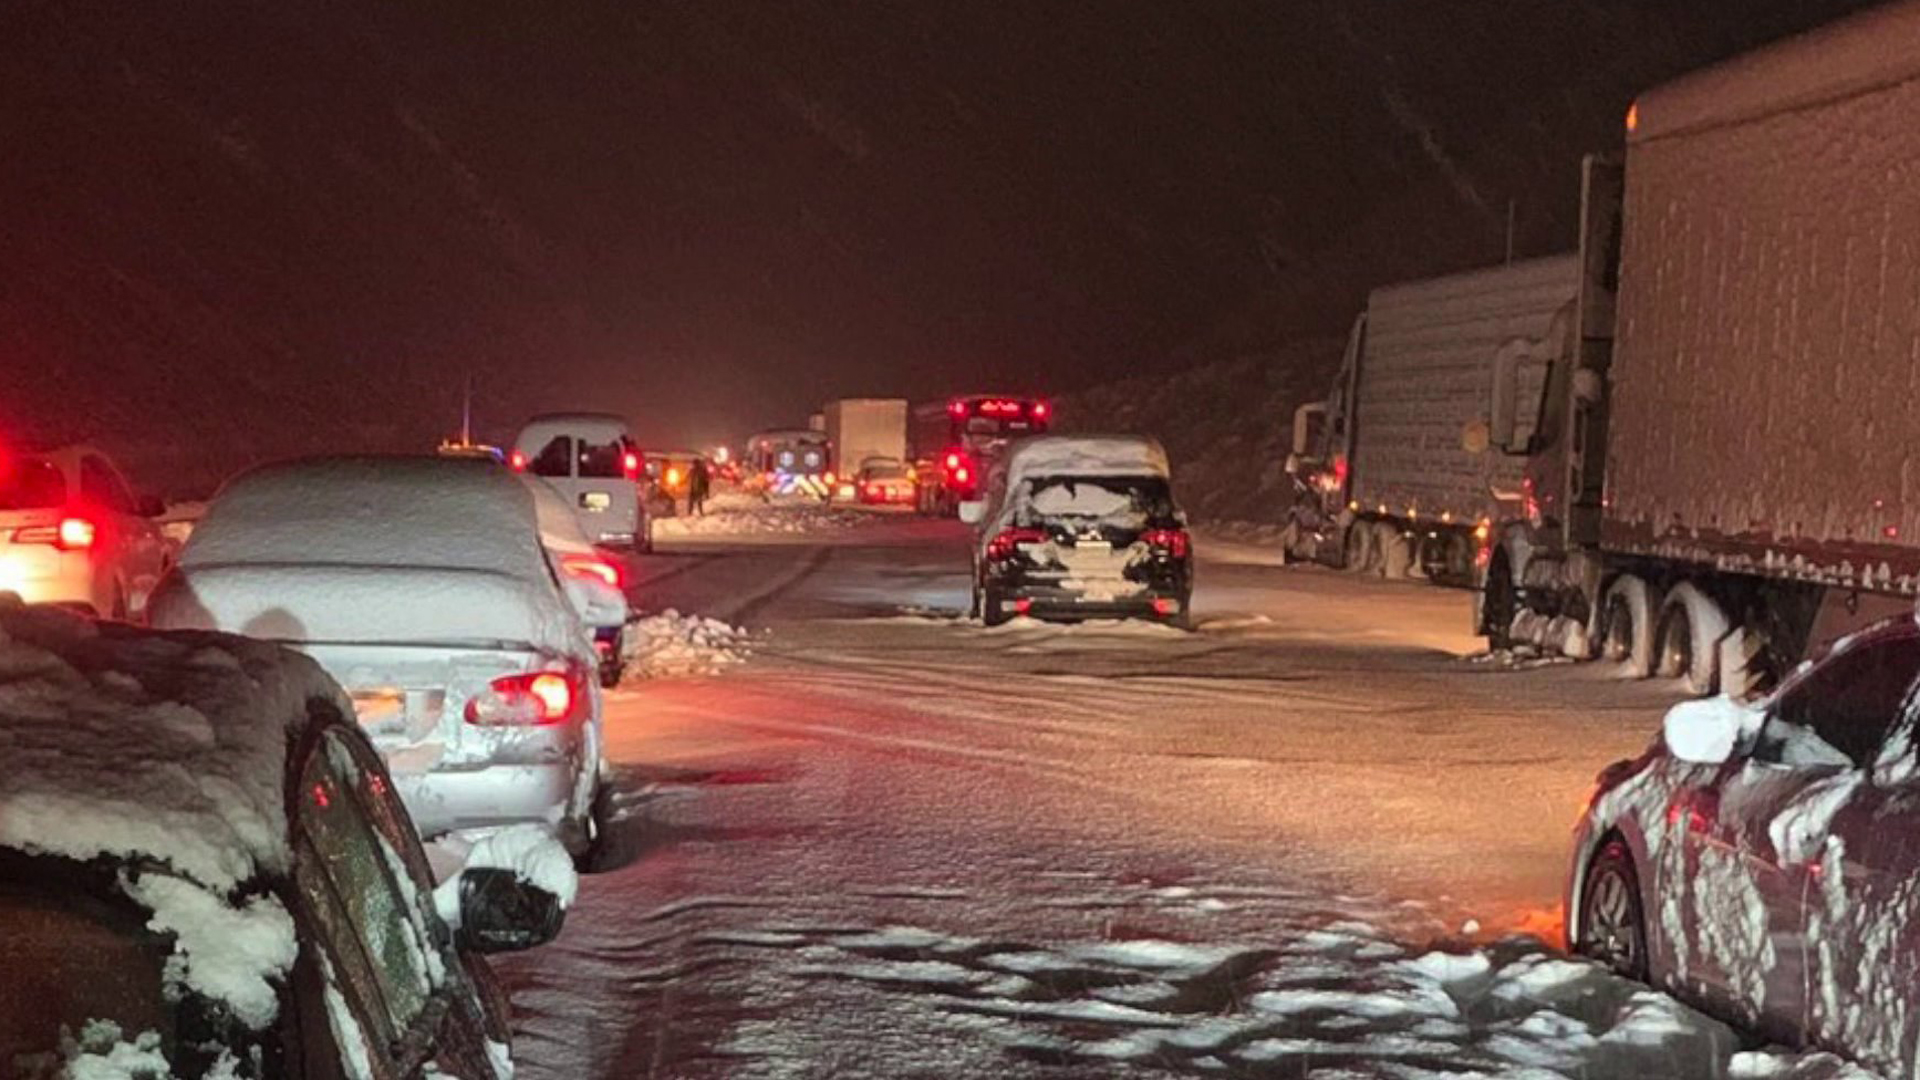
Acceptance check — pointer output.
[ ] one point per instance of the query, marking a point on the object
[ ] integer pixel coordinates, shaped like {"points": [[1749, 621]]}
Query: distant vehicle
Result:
{"points": [[73, 534], [464, 449], [1719, 477], [954, 443], [592, 461], [1080, 527], [238, 895], [886, 482], [669, 473], [1392, 471], [595, 584], [1760, 861], [421, 584], [790, 462], [860, 430]]}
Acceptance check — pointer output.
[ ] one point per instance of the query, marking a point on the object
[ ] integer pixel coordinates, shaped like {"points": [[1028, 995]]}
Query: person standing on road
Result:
{"points": [[699, 479]]}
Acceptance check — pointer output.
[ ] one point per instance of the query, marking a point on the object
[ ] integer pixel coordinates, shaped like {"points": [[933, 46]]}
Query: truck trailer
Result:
{"points": [[1721, 476], [860, 429], [1391, 471]]}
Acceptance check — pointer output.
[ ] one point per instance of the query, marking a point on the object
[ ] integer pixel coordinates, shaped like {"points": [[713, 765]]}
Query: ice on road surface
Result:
{"points": [[1309, 838]]}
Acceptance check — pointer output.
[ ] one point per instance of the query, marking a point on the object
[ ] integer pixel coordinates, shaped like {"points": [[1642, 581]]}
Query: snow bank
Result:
{"points": [[745, 515], [669, 644]]}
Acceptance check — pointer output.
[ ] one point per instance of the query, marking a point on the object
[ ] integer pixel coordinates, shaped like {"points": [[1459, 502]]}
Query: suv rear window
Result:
{"points": [[603, 461], [1103, 497], [32, 485]]}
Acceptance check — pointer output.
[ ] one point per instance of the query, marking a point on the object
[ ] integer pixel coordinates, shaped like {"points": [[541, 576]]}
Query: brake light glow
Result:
{"points": [[953, 461], [961, 475], [1166, 605], [592, 566], [1174, 542], [630, 464], [517, 461], [537, 697], [873, 491], [956, 407], [1008, 540], [71, 534], [1041, 409]]}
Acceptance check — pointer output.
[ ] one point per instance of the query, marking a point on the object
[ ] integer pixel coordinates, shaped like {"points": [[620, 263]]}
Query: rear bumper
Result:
{"points": [[1042, 602], [452, 800], [66, 578]]}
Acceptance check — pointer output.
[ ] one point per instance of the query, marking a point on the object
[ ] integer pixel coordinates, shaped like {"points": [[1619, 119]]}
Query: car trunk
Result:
{"points": [[411, 699]]}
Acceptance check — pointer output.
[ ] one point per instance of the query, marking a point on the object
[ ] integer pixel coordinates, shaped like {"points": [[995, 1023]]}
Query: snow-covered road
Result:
{"points": [[891, 843]]}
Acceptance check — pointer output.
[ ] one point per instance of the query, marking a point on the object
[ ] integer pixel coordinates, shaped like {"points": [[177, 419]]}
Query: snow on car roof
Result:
{"points": [[370, 511], [143, 745], [1085, 455]]}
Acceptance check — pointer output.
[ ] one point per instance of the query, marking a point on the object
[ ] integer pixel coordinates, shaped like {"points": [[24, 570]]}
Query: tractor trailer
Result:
{"points": [[1721, 474]]}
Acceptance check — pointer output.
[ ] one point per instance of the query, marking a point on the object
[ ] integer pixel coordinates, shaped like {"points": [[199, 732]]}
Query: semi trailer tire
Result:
{"points": [[1627, 626], [1691, 626]]}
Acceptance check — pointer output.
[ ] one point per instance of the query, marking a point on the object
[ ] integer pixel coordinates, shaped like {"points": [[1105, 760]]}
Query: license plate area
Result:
{"points": [[598, 502], [395, 712]]}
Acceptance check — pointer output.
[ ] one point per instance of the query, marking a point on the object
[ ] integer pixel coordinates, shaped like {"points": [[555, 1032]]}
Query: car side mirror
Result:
{"points": [[1710, 731], [972, 511], [500, 911], [150, 506]]}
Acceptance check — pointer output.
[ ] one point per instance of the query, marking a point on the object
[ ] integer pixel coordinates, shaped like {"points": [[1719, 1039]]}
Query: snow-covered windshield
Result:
{"points": [[31, 484], [71, 960], [1120, 500]]}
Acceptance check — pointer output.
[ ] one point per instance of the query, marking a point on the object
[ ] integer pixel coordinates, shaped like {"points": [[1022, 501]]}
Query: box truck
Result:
{"points": [[859, 429]]}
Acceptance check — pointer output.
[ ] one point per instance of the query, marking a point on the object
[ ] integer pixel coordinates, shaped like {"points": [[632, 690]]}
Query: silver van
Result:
{"points": [[596, 466]]}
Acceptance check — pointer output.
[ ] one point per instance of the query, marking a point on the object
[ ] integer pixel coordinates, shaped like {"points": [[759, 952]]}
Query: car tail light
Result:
{"points": [[630, 464], [72, 534], [1166, 605], [953, 460], [962, 475], [592, 566], [534, 698], [1007, 541], [1174, 542], [1041, 409], [517, 461], [956, 407], [873, 491]]}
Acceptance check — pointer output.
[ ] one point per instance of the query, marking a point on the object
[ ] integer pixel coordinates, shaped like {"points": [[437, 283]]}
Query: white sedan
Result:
{"points": [[422, 586]]}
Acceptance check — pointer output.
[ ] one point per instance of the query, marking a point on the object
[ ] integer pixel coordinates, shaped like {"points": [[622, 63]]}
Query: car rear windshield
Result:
{"points": [[1118, 499], [32, 484], [604, 460]]}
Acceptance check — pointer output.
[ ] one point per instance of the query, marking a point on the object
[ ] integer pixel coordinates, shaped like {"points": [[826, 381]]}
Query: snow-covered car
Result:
{"points": [[204, 873], [595, 464], [421, 584], [1080, 527], [1761, 859], [886, 482], [593, 582], [72, 533]]}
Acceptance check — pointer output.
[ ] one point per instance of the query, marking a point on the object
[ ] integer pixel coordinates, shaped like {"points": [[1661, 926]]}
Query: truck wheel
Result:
{"points": [[1360, 553], [1691, 626], [1626, 627], [1498, 604], [1459, 558], [1394, 552]]}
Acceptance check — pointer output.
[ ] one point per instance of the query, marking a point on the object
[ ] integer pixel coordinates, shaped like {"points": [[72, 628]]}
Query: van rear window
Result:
{"points": [[603, 461], [32, 484]]}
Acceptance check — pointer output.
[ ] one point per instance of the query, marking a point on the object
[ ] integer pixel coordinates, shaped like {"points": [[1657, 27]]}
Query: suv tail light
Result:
{"points": [[1174, 542], [630, 464], [592, 566], [1007, 541], [517, 461], [72, 534], [534, 698]]}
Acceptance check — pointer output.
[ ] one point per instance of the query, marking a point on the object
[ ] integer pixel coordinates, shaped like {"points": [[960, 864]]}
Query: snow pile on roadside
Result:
{"points": [[669, 644], [741, 515]]}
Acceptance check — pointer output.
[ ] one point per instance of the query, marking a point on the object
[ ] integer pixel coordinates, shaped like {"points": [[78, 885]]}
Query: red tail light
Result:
{"points": [[1041, 409], [957, 407], [517, 461], [1174, 542], [537, 697], [630, 464], [961, 475], [1008, 540], [72, 534], [953, 460], [873, 491], [592, 566]]}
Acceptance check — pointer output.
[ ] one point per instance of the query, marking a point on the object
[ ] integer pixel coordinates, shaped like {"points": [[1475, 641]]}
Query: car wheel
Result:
{"points": [[993, 609], [1613, 928]]}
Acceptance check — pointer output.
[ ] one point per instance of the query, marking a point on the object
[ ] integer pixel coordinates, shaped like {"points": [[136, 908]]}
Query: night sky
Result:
{"points": [[235, 231]]}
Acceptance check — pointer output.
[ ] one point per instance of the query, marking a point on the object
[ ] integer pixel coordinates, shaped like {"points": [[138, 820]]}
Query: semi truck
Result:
{"points": [[1391, 470], [859, 429], [1720, 476]]}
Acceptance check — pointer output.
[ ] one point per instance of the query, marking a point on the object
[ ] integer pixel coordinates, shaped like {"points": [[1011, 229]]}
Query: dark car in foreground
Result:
{"points": [[204, 872], [1080, 527], [1763, 860]]}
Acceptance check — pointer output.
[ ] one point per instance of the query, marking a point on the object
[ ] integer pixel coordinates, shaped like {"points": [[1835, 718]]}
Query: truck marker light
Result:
{"points": [[1633, 117]]}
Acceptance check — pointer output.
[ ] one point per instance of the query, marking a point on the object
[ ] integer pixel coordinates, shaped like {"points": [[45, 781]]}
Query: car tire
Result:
{"points": [[993, 611], [1613, 923]]}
